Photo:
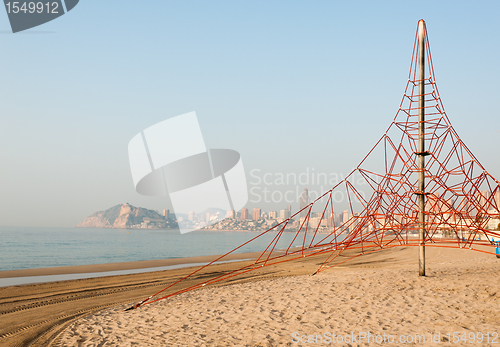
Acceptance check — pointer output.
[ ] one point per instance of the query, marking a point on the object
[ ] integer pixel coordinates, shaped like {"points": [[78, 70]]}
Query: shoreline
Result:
{"points": [[77, 272], [129, 265], [38, 279]]}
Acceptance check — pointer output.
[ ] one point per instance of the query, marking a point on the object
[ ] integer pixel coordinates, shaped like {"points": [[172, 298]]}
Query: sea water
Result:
{"points": [[33, 247]]}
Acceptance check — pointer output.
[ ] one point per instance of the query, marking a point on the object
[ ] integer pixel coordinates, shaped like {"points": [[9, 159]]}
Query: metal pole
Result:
{"points": [[421, 146]]}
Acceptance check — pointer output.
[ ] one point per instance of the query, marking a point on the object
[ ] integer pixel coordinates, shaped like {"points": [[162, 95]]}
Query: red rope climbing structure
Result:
{"points": [[462, 198]]}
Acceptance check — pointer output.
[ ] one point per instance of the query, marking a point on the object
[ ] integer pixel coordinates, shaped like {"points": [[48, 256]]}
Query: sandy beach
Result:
{"points": [[377, 296]]}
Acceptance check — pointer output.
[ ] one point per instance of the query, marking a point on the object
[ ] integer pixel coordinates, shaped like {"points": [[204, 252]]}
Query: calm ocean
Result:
{"points": [[30, 248]]}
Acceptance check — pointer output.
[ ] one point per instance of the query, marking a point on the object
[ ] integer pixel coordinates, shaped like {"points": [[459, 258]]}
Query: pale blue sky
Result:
{"points": [[291, 85]]}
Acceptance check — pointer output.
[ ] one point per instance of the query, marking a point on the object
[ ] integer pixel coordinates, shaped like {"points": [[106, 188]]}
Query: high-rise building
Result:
{"points": [[450, 203], [354, 222], [244, 213], [489, 201], [273, 215], [284, 214], [289, 208], [485, 199], [314, 222], [497, 199], [191, 215], [345, 216], [471, 204], [433, 205], [447, 210], [481, 201], [230, 214], [330, 220], [166, 214], [303, 202], [256, 213]]}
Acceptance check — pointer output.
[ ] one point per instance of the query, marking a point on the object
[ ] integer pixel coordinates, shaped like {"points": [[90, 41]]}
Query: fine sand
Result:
{"points": [[374, 295]]}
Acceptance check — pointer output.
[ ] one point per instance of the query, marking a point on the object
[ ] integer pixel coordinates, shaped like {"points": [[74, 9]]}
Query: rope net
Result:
{"points": [[381, 198]]}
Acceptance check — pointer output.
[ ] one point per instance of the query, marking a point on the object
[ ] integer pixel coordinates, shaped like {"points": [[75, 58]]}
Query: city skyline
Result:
{"points": [[433, 205]]}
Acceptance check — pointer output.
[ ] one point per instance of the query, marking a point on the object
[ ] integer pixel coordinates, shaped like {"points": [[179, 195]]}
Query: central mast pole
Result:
{"points": [[421, 147]]}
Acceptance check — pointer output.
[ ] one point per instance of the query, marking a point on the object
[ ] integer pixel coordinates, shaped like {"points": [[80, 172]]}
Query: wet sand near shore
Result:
{"points": [[261, 307], [63, 270]]}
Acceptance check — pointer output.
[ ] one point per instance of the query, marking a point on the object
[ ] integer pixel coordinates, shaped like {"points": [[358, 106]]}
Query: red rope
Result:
{"points": [[462, 197]]}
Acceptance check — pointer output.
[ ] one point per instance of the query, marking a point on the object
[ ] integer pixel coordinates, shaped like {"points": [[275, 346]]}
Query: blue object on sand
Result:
{"points": [[498, 250]]}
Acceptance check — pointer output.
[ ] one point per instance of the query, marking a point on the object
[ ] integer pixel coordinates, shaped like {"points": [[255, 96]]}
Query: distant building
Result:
{"points": [[330, 220], [497, 199], [166, 214], [256, 213], [344, 217], [448, 208], [288, 213], [354, 222], [481, 202], [485, 200], [314, 222], [191, 216], [244, 213], [303, 202], [285, 214], [433, 204], [289, 208], [230, 214], [273, 215], [493, 224]]}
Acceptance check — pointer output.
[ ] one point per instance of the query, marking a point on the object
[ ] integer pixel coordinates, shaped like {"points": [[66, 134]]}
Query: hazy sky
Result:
{"points": [[292, 85]]}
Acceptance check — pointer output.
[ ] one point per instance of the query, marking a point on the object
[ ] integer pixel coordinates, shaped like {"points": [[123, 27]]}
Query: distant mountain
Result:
{"points": [[125, 216]]}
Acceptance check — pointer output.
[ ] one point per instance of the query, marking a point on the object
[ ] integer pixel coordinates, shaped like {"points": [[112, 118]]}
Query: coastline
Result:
{"points": [[121, 266], [79, 272]]}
